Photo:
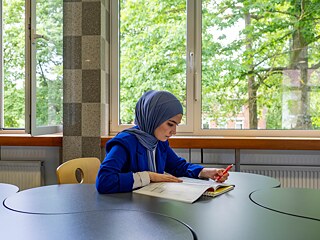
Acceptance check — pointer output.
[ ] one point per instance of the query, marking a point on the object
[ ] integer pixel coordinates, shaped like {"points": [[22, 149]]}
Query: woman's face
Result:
{"points": [[168, 128]]}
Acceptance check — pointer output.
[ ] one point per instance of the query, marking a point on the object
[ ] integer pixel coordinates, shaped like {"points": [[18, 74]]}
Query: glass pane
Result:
{"points": [[49, 66], [13, 13], [152, 51], [260, 64]]}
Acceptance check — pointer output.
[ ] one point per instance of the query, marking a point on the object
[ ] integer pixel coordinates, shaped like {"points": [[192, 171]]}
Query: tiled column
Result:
{"points": [[86, 77]]}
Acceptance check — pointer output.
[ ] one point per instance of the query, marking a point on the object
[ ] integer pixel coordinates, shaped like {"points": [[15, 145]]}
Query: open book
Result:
{"points": [[187, 191]]}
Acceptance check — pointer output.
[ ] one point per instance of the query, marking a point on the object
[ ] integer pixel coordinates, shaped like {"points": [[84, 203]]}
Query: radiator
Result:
{"points": [[24, 174], [289, 176]]}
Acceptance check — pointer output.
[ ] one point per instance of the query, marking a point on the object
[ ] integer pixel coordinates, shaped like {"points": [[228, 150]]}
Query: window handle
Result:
{"points": [[36, 36], [194, 75], [191, 62]]}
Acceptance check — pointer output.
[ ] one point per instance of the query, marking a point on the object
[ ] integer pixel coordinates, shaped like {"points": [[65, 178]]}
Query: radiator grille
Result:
{"points": [[24, 174], [289, 176]]}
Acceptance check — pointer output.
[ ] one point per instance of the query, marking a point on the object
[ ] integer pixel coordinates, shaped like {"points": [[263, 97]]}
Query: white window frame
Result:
{"points": [[31, 38], [115, 126], [30, 77], [193, 126], [2, 130]]}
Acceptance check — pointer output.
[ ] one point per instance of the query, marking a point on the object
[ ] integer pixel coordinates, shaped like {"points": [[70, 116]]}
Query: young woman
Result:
{"points": [[140, 155]]}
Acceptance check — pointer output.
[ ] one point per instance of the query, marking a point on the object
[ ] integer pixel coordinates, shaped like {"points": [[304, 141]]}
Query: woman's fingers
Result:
{"points": [[156, 177], [170, 178]]}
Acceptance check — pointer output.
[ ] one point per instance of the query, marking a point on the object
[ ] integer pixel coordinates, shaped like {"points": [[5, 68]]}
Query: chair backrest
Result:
{"points": [[78, 170]]}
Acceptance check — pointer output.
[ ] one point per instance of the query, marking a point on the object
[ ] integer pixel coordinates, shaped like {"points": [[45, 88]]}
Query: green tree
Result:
{"points": [[13, 63], [277, 36], [49, 63], [152, 46]]}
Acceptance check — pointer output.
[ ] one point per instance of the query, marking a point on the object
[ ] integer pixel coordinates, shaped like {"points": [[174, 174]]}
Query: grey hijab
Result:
{"points": [[152, 109]]}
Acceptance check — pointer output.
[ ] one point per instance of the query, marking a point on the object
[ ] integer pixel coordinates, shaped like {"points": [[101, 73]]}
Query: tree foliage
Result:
{"points": [[48, 63], [259, 54], [257, 60], [13, 63], [153, 48]]}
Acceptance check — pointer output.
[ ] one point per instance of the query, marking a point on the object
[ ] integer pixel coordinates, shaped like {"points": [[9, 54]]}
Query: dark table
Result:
{"points": [[298, 202], [79, 212], [7, 190], [67, 198]]}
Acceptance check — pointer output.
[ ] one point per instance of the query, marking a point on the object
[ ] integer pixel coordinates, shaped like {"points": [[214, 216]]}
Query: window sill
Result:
{"points": [[265, 143], [49, 140], [196, 142]]}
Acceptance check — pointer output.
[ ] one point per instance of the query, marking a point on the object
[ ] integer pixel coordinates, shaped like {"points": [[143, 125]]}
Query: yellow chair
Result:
{"points": [[78, 170]]}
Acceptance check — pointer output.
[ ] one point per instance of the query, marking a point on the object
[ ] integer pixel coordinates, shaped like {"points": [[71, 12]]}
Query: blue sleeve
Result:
{"points": [[111, 177], [179, 167]]}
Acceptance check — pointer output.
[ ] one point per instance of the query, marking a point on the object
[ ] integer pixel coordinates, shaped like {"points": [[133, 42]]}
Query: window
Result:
{"points": [[257, 61], [153, 47], [31, 66], [12, 65], [238, 124]]}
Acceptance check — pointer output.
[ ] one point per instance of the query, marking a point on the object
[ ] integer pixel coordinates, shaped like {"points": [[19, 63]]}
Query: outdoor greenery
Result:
{"points": [[153, 51], [48, 63], [13, 62], [260, 55]]}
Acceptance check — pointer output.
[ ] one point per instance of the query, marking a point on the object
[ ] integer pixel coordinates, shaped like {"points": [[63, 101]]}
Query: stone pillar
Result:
{"points": [[86, 77]]}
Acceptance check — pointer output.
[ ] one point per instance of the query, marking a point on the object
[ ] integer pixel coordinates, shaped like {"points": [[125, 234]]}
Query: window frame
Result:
{"points": [[30, 79], [31, 96], [1, 72], [4, 130], [115, 127], [193, 89]]}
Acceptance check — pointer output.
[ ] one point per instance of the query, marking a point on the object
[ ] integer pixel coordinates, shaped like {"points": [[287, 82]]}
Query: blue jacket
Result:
{"points": [[125, 156]]}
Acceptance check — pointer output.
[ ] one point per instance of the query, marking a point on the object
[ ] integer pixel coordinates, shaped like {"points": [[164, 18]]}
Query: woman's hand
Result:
{"points": [[214, 173], [157, 177]]}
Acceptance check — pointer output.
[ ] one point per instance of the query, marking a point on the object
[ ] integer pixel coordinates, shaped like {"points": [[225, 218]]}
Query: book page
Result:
{"points": [[177, 191], [210, 183], [187, 191]]}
